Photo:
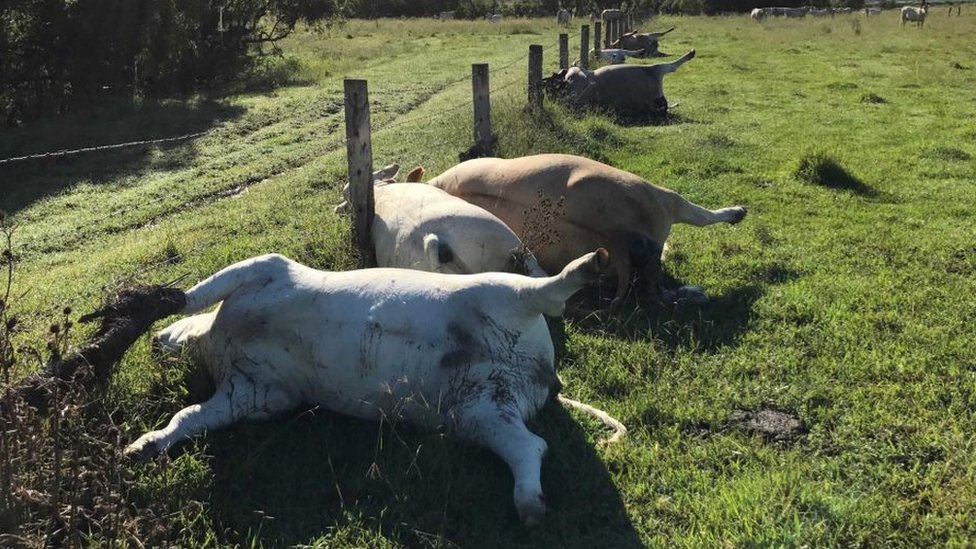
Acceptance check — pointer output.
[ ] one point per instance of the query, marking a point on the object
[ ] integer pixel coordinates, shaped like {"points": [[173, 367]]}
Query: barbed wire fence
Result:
{"points": [[74, 234]]}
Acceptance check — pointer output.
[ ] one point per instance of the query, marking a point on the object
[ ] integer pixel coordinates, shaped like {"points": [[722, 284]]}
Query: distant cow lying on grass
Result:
{"points": [[647, 42], [615, 56], [626, 90], [590, 205], [470, 353], [422, 227]]}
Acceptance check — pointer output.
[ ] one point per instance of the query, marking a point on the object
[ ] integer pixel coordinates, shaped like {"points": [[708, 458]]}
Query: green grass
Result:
{"points": [[846, 296]]}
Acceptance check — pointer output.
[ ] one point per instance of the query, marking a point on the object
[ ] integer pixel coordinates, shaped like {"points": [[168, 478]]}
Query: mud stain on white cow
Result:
{"points": [[462, 351], [369, 347]]}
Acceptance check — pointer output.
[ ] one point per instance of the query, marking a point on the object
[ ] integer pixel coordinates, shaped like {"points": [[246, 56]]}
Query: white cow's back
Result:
{"points": [[380, 342]]}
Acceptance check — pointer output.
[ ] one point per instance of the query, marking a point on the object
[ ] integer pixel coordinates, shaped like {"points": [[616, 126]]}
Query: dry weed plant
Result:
{"points": [[63, 481]]}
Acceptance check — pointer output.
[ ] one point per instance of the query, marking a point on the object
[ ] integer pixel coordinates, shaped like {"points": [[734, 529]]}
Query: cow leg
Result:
{"points": [[622, 265], [665, 68], [234, 400], [684, 211], [499, 427], [645, 258]]}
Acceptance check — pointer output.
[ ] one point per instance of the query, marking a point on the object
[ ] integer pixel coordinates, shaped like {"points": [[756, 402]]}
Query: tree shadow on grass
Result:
{"points": [[295, 481], [24, 182]]}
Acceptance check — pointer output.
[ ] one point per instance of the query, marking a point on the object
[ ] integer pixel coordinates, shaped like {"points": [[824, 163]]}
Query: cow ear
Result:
{"points": [[389, 172], [416, 175], [438, 253], [516, 260]]}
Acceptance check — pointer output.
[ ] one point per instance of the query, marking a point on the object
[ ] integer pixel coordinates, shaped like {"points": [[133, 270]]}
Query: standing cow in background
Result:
{"points": [[564, 17], [909, 13]]}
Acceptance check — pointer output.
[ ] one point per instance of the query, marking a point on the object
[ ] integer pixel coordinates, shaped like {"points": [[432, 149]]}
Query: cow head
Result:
{"points": [[580, 85], [383, 176]]}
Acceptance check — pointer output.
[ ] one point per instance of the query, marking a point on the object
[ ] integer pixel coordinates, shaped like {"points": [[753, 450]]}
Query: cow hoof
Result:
{"points": [[533, 517], [531, 505], [739, 213], [141, 452], [693, 295]]}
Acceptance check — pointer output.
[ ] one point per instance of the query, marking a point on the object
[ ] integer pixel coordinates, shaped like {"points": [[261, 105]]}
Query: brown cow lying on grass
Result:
{"points": [[562, 205]]}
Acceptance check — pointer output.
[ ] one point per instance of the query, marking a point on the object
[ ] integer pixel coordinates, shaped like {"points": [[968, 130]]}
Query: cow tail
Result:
{"points": [[618, 428], [224, 283]]}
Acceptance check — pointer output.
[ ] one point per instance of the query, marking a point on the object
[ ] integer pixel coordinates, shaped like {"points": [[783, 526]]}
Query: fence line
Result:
{"points": [[229, 189], [68, 152]]}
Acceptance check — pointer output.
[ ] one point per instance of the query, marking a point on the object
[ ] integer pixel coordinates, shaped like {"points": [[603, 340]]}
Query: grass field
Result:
{"points": [[847, 296]]}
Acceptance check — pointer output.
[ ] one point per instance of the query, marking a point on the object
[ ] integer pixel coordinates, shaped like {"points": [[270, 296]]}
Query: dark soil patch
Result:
{"points": [[873, 99], [771, 424]]}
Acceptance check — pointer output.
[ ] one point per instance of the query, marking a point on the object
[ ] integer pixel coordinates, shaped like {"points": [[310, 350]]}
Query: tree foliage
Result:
{"points": [[58, 53]]}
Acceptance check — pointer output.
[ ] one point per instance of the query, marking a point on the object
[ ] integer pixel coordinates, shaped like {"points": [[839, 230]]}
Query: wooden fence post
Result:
{"points": [[482, 107], [535, 76], [563, 51], [585, 47], [597, 38], [359, 156]]}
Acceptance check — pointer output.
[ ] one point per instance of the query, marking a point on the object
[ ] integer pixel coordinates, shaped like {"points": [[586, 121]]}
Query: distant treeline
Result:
{"points": [[56, 54], [540, 8]]}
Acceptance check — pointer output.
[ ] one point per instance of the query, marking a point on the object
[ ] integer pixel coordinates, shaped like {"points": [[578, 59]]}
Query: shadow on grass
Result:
{"points": [[25, 182], [818, 168], [297, 481], [668, 118], [707, 326]]}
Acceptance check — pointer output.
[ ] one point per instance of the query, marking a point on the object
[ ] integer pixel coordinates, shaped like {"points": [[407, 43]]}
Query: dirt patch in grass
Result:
{"points": [[874, 99], [771, 424]]}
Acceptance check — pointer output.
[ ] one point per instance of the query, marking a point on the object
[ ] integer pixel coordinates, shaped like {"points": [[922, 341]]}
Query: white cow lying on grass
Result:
{"points": [[424, 228], [615, 56], [626, 90], [471, 353]]}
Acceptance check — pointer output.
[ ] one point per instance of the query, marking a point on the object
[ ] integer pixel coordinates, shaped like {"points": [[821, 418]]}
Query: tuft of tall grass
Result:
{"points": [[819, 168]]}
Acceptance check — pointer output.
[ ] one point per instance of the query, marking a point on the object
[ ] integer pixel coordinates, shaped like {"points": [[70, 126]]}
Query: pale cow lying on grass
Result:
{"points": [[626, 90], [470, 353], [615, 56], [909, 13], [598, 206], [758, 14], [420, 227], [647, 42]]}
